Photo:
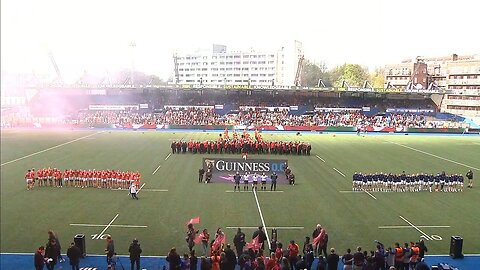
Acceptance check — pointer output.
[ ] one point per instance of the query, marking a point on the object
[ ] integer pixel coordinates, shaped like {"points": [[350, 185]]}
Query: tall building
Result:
{"points": [[249, 67], [452, 72]]}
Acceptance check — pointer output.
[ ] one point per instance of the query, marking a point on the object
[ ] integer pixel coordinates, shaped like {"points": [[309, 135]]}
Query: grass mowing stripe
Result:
{"points": [[51, 148], [433, 155], [261, 217]]}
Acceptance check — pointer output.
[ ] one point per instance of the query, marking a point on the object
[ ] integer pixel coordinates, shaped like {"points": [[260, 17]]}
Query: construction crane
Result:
{"points": [[298, 75], [57, 70], [175, 63]]}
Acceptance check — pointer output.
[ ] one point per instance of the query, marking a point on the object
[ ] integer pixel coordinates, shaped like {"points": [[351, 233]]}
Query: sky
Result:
{"points": [[94, 35]]}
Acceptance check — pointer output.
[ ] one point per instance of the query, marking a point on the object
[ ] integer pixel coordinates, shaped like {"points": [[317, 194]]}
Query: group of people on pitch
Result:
{"points": [[382, 182], [53, 177]]}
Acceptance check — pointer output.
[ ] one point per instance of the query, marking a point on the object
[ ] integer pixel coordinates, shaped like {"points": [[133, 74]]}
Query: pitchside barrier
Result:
{"points": [[223, 169]]}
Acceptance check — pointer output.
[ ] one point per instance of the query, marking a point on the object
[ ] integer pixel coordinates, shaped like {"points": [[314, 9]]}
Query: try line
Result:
{"points": [[51, 148]]}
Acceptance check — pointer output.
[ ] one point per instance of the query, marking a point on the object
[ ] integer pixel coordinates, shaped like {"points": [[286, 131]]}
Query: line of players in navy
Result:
{"points": [[383, 182]]}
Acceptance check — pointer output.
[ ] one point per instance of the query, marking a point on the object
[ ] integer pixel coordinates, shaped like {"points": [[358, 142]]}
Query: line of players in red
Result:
{"points": [[53, 177]]}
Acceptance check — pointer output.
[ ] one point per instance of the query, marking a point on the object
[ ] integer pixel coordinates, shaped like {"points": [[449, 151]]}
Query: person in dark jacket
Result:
{"points": [[193, 260], [423, 248], [110, 249], [135, 252], [332, 260], [261, 236], [173, 259], [230, 257], [74, 254], [39, 258], [52, 252], [239, 241]]}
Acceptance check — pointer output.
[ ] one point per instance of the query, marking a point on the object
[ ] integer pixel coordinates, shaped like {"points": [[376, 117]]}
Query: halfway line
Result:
{"points": [[320, 158], [439, 157], [416, 228], [261, 217], [339, 172], [51, 148], [109, 224]]}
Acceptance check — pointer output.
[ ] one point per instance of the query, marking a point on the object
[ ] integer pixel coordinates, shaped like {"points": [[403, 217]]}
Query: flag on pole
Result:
{"points": [[219, 240], [255, 243], [194, 220], [320, 237]]}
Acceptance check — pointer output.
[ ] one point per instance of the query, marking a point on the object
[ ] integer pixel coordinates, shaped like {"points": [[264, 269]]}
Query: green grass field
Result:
{"points": [[351, 219]]}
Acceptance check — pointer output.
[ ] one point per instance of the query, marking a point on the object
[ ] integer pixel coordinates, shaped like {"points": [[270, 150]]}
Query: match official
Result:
{"points": [[274, 177], [470, 178]]}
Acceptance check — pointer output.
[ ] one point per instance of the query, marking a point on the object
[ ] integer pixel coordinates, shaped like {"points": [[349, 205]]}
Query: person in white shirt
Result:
{"points": [[133, 191]]}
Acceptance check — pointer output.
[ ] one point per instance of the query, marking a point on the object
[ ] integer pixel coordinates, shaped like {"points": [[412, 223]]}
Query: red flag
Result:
{"points": [[194, 220], [317, 239], [199, 238], [255, 243], [219, 240]]}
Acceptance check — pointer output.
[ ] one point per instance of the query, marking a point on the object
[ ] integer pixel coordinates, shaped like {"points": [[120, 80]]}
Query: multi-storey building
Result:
{"points": [[222, 67], [453, 72], [458, 73]]}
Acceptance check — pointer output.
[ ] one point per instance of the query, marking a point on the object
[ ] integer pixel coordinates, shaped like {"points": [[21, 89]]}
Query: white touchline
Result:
{"points": [[103, 225], [51, 148], [408, 227], [370, 194], [416, 228], [106, 227], [157, 169], [321, 158], [168, 156], [439, 157], [339, 172], [261, 217]]}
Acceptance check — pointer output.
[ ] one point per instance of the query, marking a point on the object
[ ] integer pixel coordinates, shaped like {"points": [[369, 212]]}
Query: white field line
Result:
{"points": [[168, 156], [349, 191], [416, 228], [439, 157], [51, 148], [103, 225], [321, 158], [339, 172], [267, 191], [106, 227], [370, 194], [157, 169], [138, 191], [261, 217], [272, 227], [409, 227]]}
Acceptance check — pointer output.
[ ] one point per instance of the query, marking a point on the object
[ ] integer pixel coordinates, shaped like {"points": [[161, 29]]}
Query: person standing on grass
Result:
{"points": [[74, 254], [239, 241], [261, 236], [201, 172], [133, 191], [236, 179], [191, 235], [469, 176], [274, 178], [204, 236]]}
